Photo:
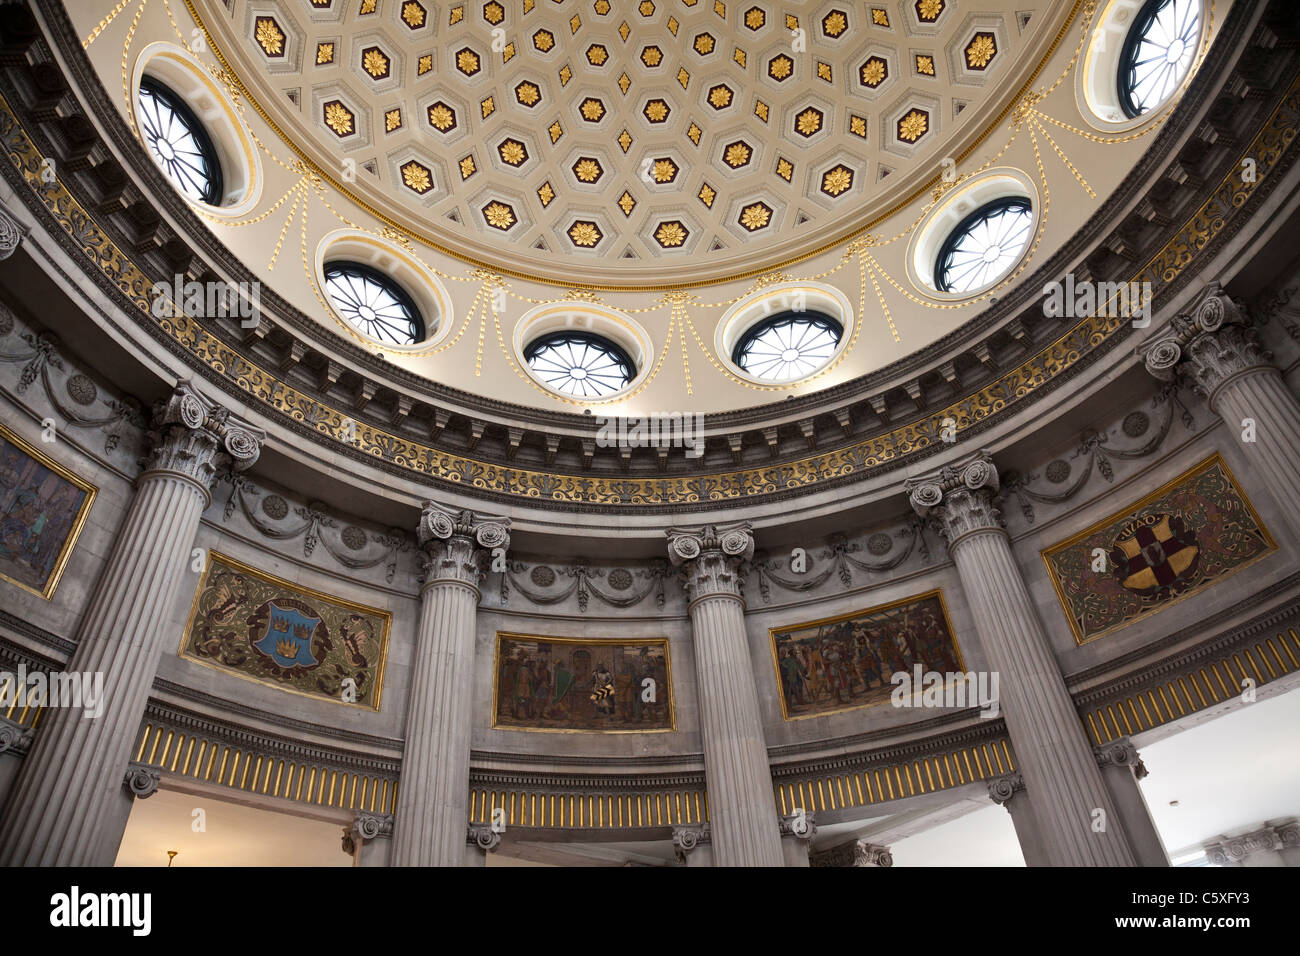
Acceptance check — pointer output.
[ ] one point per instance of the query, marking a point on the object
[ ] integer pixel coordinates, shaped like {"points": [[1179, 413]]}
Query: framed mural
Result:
{"points": [[43, 508], [845, 663], [262, 628], [571, 685], [1175, 542]]}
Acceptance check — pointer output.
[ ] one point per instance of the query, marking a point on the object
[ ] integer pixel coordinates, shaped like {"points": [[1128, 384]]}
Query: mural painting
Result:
{"points": [[846, 662], [559, 684], [265, 629], [42, 510], [1177, 541]]}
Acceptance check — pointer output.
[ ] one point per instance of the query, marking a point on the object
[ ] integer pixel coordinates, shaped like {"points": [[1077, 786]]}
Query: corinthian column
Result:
{"points": [[433, 807], [1056, 761], [742, 813], [67, 792], [1216, 351]]}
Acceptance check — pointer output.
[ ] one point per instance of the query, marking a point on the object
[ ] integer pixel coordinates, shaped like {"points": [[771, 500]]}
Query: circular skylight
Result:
{"points": [[372, 303], [985, 246], [1157, 53], [178, 142], [580, 364], [788, 346]]}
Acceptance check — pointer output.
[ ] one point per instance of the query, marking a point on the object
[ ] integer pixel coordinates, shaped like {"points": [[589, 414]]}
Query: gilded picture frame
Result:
{"points": [[76, 521]]}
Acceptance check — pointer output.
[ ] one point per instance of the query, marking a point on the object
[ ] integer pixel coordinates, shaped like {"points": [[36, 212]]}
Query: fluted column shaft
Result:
{"points": [[1054, 756], [73, 776], [1260, 395], [1009, 791], [742, 813], [434, 808], [433, 805], [1122, 768]]}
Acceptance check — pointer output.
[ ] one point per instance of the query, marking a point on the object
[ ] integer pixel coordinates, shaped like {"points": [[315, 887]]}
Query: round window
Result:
{"points": [[984, 246], [788, 345], [372, 303], [580, 364], [178, 142], [1157, 53]]}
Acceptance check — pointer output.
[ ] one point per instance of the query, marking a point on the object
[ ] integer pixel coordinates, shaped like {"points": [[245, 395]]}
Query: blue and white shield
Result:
{"points": [[288, 636]]}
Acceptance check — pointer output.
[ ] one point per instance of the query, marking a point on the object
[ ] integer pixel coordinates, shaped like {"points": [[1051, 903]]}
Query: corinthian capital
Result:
{"points": [[711, 557], [458, 544], [193, 436], [1208, 346], [959, 498]]}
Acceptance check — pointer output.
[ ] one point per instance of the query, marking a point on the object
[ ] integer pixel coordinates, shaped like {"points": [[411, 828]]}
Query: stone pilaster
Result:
{"points": [[1009, 791], [369, 840], [853, 853], [797, 832], [1122, 768], [433, 806], [742, 810], [1054, 756], [139, 783], [1215, 350], [69, 784]]}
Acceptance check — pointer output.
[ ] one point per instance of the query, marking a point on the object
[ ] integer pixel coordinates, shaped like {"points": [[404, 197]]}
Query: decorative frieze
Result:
{"points": [[77, 398], [344, 544], [583, 584], [1095, 453]]}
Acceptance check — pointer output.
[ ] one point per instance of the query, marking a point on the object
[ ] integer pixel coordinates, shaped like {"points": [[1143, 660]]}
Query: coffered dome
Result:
{"points": [[655, 141]]}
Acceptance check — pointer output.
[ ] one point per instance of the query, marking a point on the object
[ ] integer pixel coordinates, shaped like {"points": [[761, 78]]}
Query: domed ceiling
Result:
{"points": [[668, 140], [666, 164]]}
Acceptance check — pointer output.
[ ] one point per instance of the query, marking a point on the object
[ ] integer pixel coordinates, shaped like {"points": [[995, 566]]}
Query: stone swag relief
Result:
{"points": [[1174, 543], [42, 510], [561, 684], [265, 629], [847, 662]]}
